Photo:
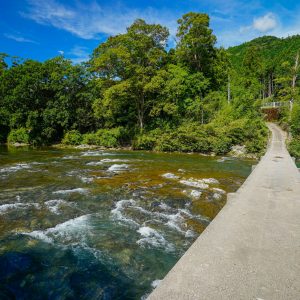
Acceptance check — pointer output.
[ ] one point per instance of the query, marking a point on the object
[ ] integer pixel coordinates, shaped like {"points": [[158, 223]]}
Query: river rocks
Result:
{"points": [[195, 194], [218, 190], [197, 183], [170, 176], [210, 181], [217, 196], [238, 150], [118, 168]]}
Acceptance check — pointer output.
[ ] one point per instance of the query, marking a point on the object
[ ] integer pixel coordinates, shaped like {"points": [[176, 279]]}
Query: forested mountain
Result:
{"points": [[136, 91], [273, 50], [274, 60], [273, 64]]}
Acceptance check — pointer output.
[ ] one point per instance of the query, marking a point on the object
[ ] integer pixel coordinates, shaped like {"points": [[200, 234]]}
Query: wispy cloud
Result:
{"points": [[19, 39], [88, 21], [233, 21], [79, 54]]}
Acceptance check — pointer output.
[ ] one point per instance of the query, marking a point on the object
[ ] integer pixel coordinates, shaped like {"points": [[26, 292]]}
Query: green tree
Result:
{"points": [[195, 47], [3, 64], [128, 62]]}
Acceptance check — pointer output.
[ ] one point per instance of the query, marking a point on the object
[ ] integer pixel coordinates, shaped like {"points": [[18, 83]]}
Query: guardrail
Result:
{"points": [[275, 104]]}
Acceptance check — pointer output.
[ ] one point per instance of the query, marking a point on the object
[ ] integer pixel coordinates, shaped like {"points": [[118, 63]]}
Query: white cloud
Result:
{"points": [[232, 20], [265, 23], [233, 37], [19, 39], [87, 21], [79, 54], [262, 24]]}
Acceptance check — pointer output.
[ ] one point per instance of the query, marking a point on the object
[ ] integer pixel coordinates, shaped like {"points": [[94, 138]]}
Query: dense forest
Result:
{"points": [[137, 91], [274, 65]]}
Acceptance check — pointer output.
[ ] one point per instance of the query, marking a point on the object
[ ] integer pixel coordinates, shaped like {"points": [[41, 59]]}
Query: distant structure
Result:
{"points": [[271, 110]]}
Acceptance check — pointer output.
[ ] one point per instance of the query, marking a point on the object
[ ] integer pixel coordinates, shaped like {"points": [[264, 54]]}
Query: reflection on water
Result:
{"points": [[80, 224]]}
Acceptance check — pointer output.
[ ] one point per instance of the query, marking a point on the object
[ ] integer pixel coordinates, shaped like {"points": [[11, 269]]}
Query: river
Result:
{"points": [[92, 224]]}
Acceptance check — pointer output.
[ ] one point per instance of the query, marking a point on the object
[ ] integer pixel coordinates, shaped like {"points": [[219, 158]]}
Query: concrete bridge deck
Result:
{"points": [[251, 250]]}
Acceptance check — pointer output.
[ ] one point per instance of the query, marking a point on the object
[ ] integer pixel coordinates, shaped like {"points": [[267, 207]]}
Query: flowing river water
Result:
{"points": [[92, 224]]}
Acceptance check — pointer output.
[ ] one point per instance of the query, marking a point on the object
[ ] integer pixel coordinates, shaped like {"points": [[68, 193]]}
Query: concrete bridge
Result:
{"points": [[251, 250]]}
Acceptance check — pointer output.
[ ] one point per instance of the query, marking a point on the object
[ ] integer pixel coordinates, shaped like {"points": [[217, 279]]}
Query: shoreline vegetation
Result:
{"points": [[236, 151], [137, 91]]}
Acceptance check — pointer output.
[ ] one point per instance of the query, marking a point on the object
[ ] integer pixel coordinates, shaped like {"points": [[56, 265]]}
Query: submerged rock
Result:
{"points": [[118, 168], [198, 183], [195, 194], [238, 151], [218, 190], [210, 181], [170, 176]]}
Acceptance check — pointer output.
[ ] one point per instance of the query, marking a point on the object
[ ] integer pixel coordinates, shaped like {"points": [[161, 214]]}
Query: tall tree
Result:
{"points": [[196, 42], [3, 64], [126, 63]]}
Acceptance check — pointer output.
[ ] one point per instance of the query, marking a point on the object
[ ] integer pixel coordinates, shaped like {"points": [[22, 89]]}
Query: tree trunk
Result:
{"points": [[294, 79], [295, 71], [141, 112], [270, 85], [228, 90]]}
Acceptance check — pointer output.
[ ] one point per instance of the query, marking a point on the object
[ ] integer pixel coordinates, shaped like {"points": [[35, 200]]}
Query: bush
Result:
{"points": [[186, 138], [218, 136], [109, 138], [20, 135], [190, 137], [294, 147], [145, 142], [72, 137], [256, 145], [221, 145], [237, 131], [89, 139], [295, 120]]}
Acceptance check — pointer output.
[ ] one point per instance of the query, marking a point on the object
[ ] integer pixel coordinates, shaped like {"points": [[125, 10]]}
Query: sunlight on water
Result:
{"points": [[103, 225]]}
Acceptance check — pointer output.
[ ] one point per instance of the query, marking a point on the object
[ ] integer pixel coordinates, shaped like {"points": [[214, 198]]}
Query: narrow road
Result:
{"points": [[251, 250]]}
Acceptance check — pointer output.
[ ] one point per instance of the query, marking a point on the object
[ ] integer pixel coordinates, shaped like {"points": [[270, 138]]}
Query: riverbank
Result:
{"points": [[238, 151]]}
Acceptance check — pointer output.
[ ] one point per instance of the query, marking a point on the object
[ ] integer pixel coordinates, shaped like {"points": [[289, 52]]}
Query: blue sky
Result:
{"points": [[41, 29]]}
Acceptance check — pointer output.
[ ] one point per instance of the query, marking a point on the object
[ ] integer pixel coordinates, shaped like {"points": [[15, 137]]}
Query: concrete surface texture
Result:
{"points": [[251, 250]]}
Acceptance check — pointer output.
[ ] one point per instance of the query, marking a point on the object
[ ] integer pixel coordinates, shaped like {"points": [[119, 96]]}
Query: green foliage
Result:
{"points": [[147, 141], [221, 144], [194, 98], [126, 63], [295, 120], [20, 135], [109, 138], [269, 67], [193, 137], [195, 47], [271, 49], [294, 147], [72, 137], [49, 98]]}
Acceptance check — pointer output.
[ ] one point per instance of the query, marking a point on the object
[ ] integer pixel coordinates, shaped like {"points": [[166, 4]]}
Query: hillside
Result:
{"points": [[273, 50]]}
